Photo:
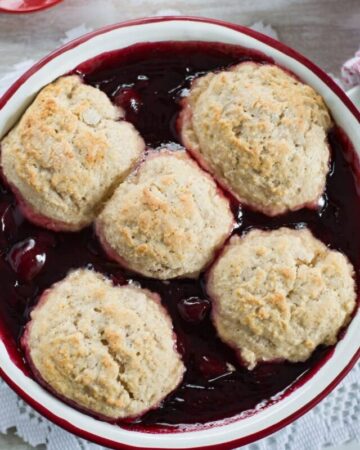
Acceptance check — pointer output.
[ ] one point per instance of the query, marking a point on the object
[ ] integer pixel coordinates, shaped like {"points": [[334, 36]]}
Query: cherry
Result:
{"points": [[118, 278], [211, 367], [27, 258], [130, 101], [7, 220], [181, 343], [8, 223], [193, 309], [266, 372]]}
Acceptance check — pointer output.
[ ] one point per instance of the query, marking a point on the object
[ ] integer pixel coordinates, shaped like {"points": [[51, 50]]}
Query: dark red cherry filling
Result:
{"points": [[27, 258], [148, 81], [118, 278], [211, 366], [130, 101], [194, 309], [9, 221]]}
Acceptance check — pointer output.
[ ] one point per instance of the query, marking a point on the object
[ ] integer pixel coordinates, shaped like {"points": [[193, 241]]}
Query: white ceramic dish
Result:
{"points": [[232, 433]]}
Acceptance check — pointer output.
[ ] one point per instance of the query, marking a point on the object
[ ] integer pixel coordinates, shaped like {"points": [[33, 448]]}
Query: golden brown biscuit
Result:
{"points": [[262, 133], [108, 349], [67, 153], [167, 220], [279, 294]]}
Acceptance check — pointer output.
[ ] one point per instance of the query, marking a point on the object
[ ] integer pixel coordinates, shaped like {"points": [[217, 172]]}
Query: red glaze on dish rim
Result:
{"points": [[39, 6], [223, 436]]}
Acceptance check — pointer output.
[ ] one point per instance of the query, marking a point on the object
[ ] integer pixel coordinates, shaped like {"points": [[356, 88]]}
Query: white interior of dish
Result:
{"points": [[346, 348]]}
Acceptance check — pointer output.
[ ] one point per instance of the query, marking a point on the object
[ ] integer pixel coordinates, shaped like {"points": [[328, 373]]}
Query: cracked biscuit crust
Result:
{"points": [[108, 349], [67, 153], [279, 294], [262, 133], [168, 220]]}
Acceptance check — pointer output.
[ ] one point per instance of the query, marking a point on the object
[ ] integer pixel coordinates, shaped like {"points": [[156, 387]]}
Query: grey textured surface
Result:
{"points": [[12, 442], [326, 31]]}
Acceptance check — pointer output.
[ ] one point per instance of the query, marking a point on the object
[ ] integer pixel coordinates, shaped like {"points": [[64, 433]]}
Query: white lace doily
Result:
{"points": [[334, 421]]}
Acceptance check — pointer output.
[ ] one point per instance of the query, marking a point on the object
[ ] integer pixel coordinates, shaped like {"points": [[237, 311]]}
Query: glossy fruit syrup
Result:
{"points": [[148, 81]]}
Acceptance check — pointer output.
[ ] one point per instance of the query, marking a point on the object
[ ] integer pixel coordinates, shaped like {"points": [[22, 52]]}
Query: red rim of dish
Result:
{"points": [[30, 10], [337, 91]]}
